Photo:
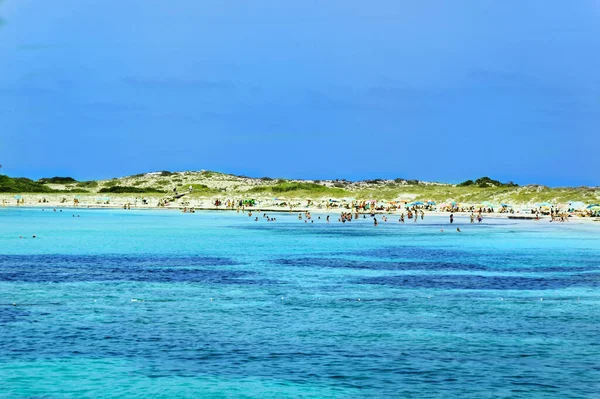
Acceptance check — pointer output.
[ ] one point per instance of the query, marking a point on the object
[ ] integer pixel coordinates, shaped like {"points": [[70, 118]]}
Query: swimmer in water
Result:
{"points": [[375, 222], [458, 230]]}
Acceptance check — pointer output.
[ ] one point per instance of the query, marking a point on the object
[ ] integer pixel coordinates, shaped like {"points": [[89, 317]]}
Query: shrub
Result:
{"points": [[22, 185], [57, 180], [485, 182], [87, 184]]}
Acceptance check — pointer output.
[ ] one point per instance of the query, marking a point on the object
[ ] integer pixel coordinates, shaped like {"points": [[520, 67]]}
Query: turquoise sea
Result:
{"points": [[160, 304]]}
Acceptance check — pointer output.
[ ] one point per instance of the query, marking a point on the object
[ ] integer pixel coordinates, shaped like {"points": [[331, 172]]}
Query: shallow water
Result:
{"points": [[166, 305]]}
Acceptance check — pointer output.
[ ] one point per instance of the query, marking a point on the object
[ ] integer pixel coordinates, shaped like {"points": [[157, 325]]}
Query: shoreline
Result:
{"points": [[202, 203], [280, 210]]}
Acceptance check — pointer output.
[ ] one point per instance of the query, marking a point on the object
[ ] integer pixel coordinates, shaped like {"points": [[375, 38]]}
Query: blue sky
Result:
{"points": [[434, 90]]}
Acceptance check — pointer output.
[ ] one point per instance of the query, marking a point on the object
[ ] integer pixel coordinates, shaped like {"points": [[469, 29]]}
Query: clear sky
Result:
{"points": [[434, 90]]}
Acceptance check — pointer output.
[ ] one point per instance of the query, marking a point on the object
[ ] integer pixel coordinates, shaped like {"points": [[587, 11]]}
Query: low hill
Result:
{"points": [[220, 185], [21, 185]]}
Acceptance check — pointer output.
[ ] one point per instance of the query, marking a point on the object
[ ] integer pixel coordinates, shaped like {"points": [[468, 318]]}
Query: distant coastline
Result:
{"points": [[214, 190]]}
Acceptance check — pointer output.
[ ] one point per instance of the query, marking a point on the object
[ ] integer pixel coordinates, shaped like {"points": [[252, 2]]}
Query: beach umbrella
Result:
{"points": [[418, 203], [454, 203], [17, 197], [506, 206], [547, 204], [593, 206], [430, 202]]}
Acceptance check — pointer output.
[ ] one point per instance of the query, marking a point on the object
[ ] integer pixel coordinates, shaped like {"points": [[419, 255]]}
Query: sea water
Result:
{"points": [[161, 304]]}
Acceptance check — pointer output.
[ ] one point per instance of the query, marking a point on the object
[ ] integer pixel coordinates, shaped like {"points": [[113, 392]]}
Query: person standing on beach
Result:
{"points": [[451, 218]]}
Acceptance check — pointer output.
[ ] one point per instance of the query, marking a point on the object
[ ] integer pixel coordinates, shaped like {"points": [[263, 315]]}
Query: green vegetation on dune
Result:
{"points": [[21, 185], [298, 188], [57, 180], [88, 184], [129, 190], [486, 182], [204, 189]]}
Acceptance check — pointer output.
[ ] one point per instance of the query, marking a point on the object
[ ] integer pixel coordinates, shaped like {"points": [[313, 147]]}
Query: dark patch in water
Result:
{"points": [[10, 313], [375, 265], [61, 268], [465, 282], [516, 261]]}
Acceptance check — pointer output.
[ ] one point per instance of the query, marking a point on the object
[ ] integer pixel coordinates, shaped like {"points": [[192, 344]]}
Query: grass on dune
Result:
{"points": [[300, 190], [473, 195]]}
